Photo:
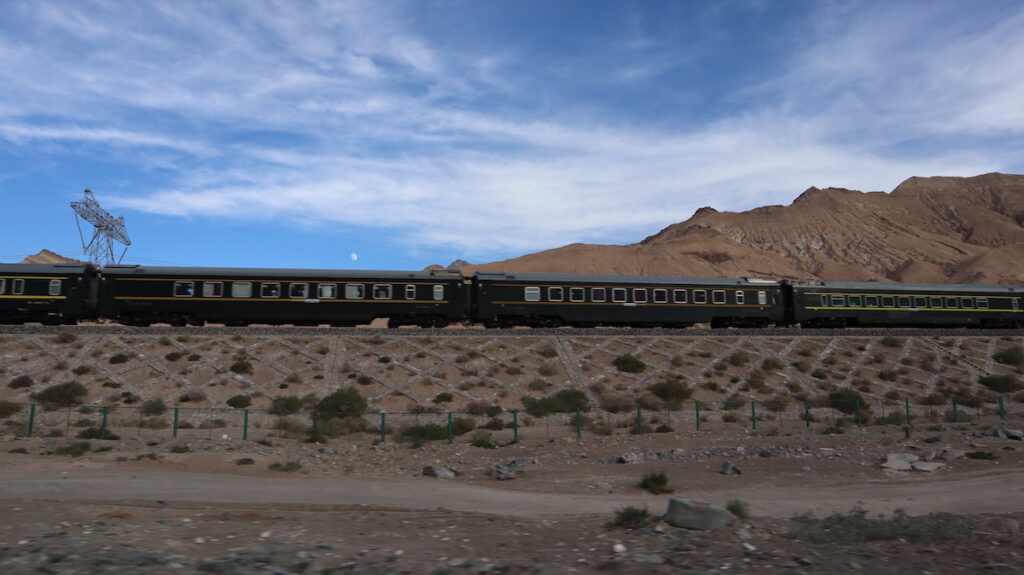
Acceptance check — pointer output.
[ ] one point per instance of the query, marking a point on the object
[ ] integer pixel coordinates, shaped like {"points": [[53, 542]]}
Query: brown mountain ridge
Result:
{"points": [[939, 229]]}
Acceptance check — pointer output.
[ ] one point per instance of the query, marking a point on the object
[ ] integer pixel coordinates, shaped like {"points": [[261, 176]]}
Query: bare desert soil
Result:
{"points": [[174, 506]]}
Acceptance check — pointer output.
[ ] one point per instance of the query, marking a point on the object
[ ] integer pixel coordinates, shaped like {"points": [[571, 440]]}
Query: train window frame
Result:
{"points": [[410, 291], [952, 303], [619, 295], [903, 301], [935, 302], [598, 294], [920, 301], [55, 287], [870, 301], [531, 293], [700, 296], [17, 286], [270, 290], [213, 289], [741, 298], [855, 301], [718, 297], [838, 301], [438, 292], [679, 295], [355, 291], [381, 291], [762, 298], [1016, 303], [888, 301], [642, 292], [183, 289], [660, 296], [556, 293], [966, 303], [3, 285], [327, 291], [577, 294], [241, 289], [298, 290], [824, 300], [982, 303]]}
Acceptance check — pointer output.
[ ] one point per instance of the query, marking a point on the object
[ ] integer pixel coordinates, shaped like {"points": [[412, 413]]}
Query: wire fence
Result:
{"points": [[491, 427]]}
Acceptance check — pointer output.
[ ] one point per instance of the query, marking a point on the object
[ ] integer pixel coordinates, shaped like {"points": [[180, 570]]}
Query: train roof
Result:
{"points": [[122, 270], [612, 279], [978, 288], [25, 269]]}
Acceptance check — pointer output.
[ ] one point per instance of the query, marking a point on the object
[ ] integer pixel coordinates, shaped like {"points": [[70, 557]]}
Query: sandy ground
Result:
{"points": [[353, 507]]}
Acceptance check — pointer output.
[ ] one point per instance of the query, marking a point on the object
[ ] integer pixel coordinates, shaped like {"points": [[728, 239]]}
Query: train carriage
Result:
{"points": [[138, 295], [46, 293], [586, 300], [839, 304]]}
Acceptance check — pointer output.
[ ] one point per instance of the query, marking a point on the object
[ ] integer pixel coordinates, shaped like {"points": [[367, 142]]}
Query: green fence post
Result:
{"points": [[103, 424], [1002, 411], [515, 426], [383, 426], [956, 419], [858, 412], [31, 418], [639, 422], [245, 425], [753, 414], [906, 407], [451, 428], [579, 423], [174, 428], [807, 413], [696, 407]]}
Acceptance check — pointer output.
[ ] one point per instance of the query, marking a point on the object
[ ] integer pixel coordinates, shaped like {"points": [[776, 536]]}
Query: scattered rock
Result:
{"points": [[1014, 434], [729, 469], [438, 472], [691, 514], [899, 461], [927, 466]]}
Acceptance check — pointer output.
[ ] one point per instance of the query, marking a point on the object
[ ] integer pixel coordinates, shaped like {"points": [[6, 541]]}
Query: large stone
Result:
{"points": [[438, 472], [899, 461], [1015, 434], [729, 469], [691, 514], [927, 466]]}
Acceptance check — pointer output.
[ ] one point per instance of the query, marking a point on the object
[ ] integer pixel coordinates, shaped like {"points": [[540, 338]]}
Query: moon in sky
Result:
{"points": [[354, 256]]}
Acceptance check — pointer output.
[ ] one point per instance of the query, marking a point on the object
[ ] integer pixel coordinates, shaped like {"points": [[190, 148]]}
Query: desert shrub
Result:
{"points": [[424, 432], [537, 385], [630, 518], [739, 508], [802, 366], [342, 403], [153, 407], [288, 466], [890, 341], [673, 392], [212, 424], [772, 364], [65, 337], [819, 374], [94, 433], [629, 363], [663, 428], [384, 359], [174, 356], [193, 395], [999, 383], [894, 418], [195, 357], [443, 397], [154, 423], [118, 358], [730, 417], [62, 395], [20, 382], [1010, 356], [76, 449], [494, 411], [181, 448], [733, 402], [8, 409], [363, 380], [513, 370], [245, 461], [483, 441], [239, 401], [804, 352], [738, 358], [563, 400], [845, 401], [241, 367], [888, 375], [985, 455], [656, 483], [285, 405], [82, 370], [892, 394], [548, 351], [494, 424], [933, 399], [855, 526], [338, 426]]}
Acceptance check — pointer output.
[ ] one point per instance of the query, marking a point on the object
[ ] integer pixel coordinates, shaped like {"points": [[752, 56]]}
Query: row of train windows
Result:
{"points": [[907, 301], [18, 286], [640, 295], [301, 290]]}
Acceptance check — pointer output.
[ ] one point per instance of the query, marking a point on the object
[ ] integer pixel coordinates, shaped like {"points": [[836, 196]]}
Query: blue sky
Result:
{"points": [[295, 134]]}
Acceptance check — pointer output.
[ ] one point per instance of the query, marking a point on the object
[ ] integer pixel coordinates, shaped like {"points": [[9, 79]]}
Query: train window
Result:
{"points": [[854, 301], [700, 296], [952, 303], [838, 301], [824, 301], [213, 289], [660, 296], [410, 292], [182, 289], [762, 298], [920, 301], [18, 286], [1016, 303], [270, 289], [531, 293], [382, 291], [355, 291], [241, 289], [640, 295], [298, 291], [598, 294], [717, 296], [741, 298], [438, 293], [982, 303], [54, 287], [555, 294], [619, 295], [870, 301], [935, 302], [327, 291], [966, 303], [904, 301], [3, 284], [577, 294], [679, 295], [888, 301]]}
